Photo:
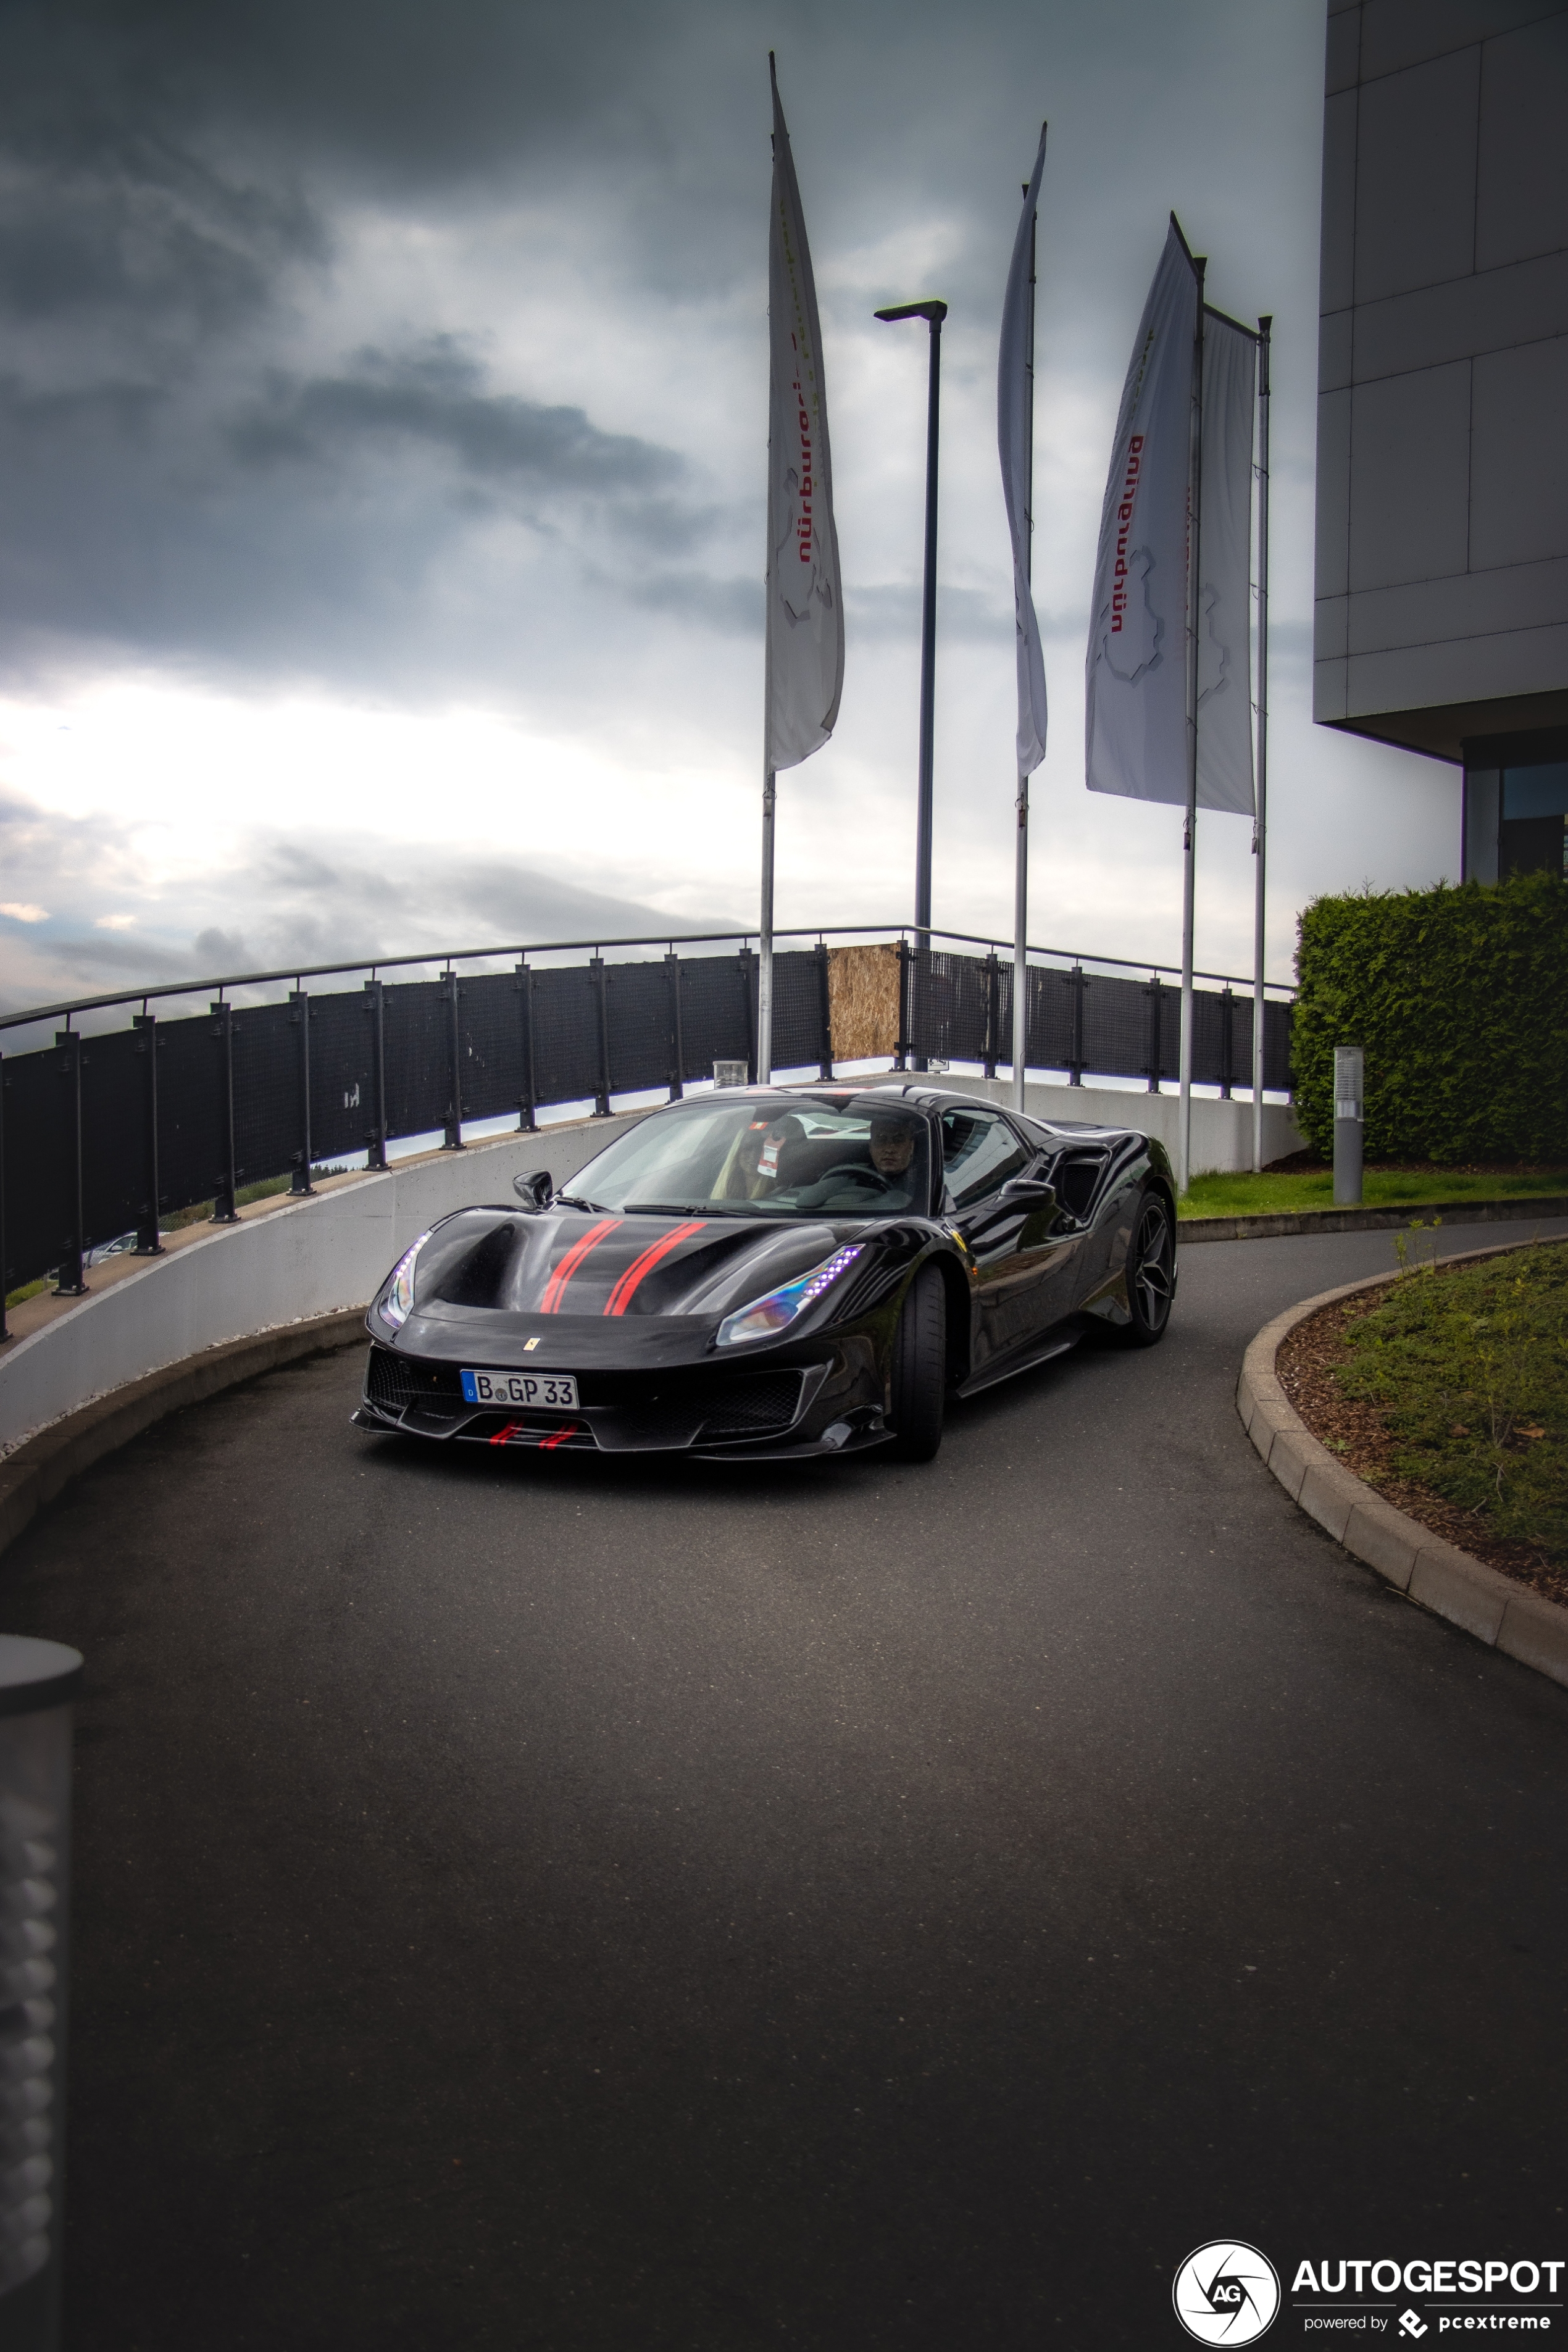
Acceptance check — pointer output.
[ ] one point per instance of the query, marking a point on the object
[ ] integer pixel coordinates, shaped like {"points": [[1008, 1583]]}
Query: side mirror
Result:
{"points": [[533, 1188], [1028, 1192]]}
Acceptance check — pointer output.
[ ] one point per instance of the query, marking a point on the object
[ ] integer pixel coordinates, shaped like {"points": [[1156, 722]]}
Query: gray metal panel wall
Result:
{"points": [[1442, 565]]}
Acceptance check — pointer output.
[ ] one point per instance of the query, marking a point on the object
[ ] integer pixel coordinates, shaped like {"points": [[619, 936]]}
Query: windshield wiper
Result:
{"points": [[575, 1200], [684, 1209]]}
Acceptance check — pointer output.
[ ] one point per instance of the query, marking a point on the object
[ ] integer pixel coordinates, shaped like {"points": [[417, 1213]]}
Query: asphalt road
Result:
{"points": [[530, 1901]]}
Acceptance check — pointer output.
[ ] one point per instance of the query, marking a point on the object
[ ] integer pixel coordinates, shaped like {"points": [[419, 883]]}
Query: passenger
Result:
{"points": [[754, 1172]]}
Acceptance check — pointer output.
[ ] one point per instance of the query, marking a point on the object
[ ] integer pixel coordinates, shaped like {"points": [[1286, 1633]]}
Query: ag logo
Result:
{"points": [[1412, 2323], [1227, 2293]]}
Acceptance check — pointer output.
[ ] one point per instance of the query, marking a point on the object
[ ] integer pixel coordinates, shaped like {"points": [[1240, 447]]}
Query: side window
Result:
{"points": [[979, 1152]]}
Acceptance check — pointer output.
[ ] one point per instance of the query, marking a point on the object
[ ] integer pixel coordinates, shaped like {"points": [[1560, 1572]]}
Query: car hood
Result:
{"points": [[598, 1266]]}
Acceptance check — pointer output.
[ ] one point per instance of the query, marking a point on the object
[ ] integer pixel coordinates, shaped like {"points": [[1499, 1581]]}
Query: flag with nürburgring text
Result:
{"points": [[1136, 714], [804, 598]]}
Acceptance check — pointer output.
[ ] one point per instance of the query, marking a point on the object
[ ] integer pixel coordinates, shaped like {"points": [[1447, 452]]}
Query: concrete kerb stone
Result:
{"points": [[1507, 1616], [1277, 1224]]}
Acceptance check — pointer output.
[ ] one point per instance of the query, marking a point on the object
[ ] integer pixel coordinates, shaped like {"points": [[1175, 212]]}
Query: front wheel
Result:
{"points": [[1151, 1273], [919, 1368]]}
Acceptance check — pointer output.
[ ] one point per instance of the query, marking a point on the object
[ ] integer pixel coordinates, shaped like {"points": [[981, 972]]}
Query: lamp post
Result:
{"points": [[933, 312]]}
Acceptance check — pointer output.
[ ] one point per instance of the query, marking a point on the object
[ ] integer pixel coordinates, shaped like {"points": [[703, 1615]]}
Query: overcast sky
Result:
{"points": [[381, 415]]}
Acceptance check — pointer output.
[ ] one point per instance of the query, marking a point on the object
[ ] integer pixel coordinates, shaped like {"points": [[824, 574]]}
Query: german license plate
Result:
{"points": [[558, 1389]]}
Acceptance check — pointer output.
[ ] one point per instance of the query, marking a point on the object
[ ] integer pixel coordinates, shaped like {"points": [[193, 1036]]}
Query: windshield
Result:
{"points": [[753, 1159]]}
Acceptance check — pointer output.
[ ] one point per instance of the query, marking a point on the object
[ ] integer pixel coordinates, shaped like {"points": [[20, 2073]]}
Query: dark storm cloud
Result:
{"points": [[436, 394], [194, 469]]}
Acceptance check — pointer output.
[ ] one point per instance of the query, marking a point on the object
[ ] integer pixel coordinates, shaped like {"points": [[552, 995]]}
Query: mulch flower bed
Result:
{"points": [[1356, 1432]]}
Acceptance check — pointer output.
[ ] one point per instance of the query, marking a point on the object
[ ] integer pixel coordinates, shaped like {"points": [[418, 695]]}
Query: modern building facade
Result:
{"points": [[1442, 561]]}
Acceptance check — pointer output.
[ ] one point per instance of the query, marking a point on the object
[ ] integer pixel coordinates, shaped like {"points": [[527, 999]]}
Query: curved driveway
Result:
{"points": [[540, 1902]]}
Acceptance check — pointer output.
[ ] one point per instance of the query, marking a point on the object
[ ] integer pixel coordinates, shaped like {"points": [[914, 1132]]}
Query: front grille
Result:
{"points": [[392, 1382], [756, 1402]]}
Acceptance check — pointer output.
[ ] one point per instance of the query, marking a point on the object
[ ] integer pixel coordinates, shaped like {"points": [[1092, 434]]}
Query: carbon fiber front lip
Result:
{"points": [[612, 1429]]}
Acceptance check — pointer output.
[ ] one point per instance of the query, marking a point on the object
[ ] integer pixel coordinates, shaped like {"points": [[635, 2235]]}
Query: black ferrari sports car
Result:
{"points": [[761, 1273]]}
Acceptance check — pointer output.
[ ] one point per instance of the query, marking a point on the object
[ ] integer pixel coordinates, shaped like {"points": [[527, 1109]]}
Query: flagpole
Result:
{"points": [[1260, 821], [1190, 829], [1021, 873], [765, 943]]}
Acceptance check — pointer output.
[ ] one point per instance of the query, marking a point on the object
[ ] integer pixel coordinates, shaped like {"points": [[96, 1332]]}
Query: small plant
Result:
{"points": [[1406, 1248]]}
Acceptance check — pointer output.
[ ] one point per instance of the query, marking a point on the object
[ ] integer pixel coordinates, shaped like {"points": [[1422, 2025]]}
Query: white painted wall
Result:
{"points": [[1222, 1131], [301, 1260]]}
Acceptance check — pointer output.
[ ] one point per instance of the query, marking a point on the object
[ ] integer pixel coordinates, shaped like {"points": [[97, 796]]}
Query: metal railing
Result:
{"points": [[104, 1132]]}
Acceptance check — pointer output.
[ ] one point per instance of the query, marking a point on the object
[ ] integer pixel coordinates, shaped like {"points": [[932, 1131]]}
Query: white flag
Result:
{"points": [[1015, 439], [805, 601], [1225, 563], [1136, 717]]}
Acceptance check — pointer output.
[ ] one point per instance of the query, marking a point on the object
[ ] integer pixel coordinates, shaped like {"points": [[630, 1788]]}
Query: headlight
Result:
{"points": [[765, 1316], [398, 1304]]}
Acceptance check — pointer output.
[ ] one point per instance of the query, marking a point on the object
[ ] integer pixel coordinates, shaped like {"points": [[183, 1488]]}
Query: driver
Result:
{"points": [[892, 1146], [886, 1183]]}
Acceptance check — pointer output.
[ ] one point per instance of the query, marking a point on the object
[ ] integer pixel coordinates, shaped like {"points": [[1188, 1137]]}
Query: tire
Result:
{"points": [[919, 1368], [1150, 1271]]}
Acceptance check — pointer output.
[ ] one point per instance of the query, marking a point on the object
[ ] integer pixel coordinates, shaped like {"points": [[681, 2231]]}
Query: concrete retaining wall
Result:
{"points": [[1222, 1131], [298, 1261]]}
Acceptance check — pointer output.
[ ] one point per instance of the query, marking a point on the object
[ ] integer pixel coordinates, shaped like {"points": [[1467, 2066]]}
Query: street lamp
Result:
{"points": [[935, 313]]}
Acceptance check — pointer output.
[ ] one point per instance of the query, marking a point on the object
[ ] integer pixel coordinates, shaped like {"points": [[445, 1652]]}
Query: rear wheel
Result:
{"points": [[919, 1368], [1151, 1273]]}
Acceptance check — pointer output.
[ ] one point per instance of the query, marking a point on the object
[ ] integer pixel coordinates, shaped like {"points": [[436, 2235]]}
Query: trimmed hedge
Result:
{"points": [[1460, 998]]}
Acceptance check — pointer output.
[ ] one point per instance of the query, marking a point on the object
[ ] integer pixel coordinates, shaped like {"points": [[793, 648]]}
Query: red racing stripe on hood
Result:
{"points": [[549, 1303], [620, 1297]]}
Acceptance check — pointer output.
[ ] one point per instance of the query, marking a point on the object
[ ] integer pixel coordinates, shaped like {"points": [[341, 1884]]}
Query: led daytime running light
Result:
{"points": [[766, 1315], [398, 1304]]}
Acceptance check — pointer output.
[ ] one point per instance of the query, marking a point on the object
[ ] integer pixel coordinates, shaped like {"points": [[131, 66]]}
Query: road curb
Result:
{"points": [[1368, 1221], [40, 1467], [1507, 1616]]}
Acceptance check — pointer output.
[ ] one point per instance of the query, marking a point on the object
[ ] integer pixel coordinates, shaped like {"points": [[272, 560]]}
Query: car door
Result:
{"points": [[1008, 1225]]}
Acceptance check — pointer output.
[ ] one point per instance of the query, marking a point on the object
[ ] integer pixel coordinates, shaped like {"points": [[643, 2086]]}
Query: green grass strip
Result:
{"points": [[1469, 1367], [1383, 1188]]}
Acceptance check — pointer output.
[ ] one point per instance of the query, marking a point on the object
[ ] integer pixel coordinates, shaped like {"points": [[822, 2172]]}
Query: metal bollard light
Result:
{"points": [[38, 1681], [1349, 1074]]}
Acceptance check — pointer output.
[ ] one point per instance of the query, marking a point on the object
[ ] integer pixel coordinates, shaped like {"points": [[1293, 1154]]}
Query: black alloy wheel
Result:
{"points": [[919, 1368], [1150, 1271]]}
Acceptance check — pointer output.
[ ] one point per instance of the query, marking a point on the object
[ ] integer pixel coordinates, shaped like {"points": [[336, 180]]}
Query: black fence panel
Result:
{"points": [[718, 1013], [418, 1048], [1241, 1041], [115, 1159], [566, 1054], [1276, 1046], [1053, 1029], [343, 1074], [40, 1175], [193, 1146], [951, 1007], [640, 1003], [800, 1012], [491, 1038], [269, 1103], [1115, 1028]]}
